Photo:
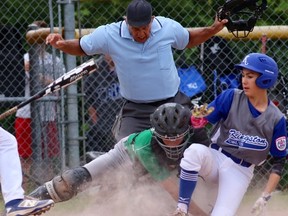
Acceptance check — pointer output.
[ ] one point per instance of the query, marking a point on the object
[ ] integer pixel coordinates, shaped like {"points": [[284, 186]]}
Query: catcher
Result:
{"points": [[156, 151], [249, 127]]}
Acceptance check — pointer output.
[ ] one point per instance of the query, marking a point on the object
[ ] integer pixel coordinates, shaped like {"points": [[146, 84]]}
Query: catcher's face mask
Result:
{"points": [[173, 146], [242, 15]]}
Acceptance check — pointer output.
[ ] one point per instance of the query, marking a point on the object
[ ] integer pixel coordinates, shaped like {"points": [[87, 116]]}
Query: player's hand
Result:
{"points": [[198, 122], [202, 111], [198, 119], [55, 40], [260, 204], [219, 25]]}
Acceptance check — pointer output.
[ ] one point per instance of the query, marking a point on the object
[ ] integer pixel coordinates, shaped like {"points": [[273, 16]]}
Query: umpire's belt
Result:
{"points": [[235, 159]]}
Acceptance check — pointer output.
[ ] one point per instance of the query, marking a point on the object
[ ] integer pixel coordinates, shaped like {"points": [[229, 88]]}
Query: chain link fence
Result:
{"points": [[58, 129]]}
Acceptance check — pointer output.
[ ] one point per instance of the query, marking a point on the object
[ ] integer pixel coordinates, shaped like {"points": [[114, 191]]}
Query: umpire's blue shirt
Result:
{"points": [[146, 71]]}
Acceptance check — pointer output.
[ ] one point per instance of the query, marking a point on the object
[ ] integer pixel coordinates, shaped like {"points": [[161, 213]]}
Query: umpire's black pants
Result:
{"points": [[135, 117]]}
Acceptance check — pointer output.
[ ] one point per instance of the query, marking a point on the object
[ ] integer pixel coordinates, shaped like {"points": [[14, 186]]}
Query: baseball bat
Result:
{"points": [[65, 80]]}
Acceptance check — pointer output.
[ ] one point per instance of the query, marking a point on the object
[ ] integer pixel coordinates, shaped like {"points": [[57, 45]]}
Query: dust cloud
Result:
{"points": [[120, 194]]}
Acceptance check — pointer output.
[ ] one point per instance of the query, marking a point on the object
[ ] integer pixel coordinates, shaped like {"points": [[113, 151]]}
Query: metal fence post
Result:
{"points": [[72, 102]]}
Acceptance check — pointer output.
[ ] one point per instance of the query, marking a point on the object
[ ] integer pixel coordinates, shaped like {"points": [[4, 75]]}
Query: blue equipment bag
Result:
{"points": [[192, 83]]}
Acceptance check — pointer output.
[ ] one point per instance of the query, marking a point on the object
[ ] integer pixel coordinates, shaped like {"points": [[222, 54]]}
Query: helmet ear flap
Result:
{"points": [[264, 82]]}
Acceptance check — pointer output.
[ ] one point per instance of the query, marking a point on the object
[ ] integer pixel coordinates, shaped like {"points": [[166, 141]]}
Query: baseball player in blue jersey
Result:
{"points": [[248, 128], [154, 152]]}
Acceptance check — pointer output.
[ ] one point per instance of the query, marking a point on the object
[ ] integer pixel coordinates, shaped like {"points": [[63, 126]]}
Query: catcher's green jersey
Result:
{"points": [[139, 145]]}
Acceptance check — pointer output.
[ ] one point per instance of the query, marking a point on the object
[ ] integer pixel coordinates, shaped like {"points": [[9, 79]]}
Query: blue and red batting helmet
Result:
{"points": [[262, 64]]}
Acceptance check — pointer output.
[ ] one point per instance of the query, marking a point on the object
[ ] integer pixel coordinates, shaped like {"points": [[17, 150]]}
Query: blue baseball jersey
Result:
{"points": [[245, 132], [146, 71]]}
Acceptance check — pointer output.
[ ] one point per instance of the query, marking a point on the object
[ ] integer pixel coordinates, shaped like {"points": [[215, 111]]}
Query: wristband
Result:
{"points": [[266, 196]]}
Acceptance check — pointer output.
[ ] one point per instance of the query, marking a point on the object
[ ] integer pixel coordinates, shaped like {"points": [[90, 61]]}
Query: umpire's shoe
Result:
{"points": [[28, 206]]}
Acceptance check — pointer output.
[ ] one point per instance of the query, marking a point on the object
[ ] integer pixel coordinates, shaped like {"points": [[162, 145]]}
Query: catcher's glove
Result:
{"points": [[242, 15], [198, 119], [202, 111]]}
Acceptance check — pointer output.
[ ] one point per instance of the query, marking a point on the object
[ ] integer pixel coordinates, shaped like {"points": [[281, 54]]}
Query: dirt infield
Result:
{"points": [[147, 200], [125, 195]]}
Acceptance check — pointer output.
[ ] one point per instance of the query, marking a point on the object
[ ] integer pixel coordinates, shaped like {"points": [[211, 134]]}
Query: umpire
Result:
{"points": [[141, 48]]}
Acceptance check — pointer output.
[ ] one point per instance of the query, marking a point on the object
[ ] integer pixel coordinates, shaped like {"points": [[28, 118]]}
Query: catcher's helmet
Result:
{"points": [[171, 121], [262, 64]]}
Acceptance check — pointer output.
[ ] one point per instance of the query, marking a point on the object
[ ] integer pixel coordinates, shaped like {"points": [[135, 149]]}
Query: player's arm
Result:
{"points": [[275, 176], [71, 47], [26, 62], [200, 35], [92, 114], [218, 109], [278, 150], [271, 185], [170, 184]]}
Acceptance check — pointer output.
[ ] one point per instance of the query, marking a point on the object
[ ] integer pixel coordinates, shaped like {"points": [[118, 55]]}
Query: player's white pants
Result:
{"points": [[216, 168], [10, 167]]}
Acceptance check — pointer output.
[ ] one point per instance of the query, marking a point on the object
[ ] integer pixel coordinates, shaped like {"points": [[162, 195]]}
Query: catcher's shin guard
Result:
{"points": [[64, 187]]}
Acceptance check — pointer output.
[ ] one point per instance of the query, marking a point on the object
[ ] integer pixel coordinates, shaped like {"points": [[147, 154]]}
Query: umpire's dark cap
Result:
{"points": [[139, 13]]}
